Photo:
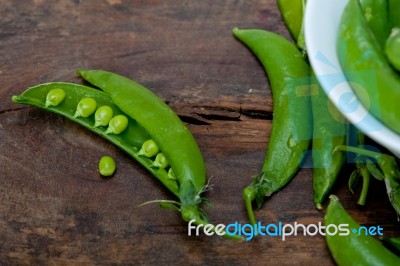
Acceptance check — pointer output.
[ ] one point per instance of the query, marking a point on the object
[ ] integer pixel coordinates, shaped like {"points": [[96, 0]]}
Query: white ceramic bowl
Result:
{"points": [[322, 20]]}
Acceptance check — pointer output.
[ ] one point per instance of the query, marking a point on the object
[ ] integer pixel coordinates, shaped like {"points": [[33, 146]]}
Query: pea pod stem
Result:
{"points": [[389, 168], [291, 128], [249, 196], [366, 176], [357, 138], [354, 249]]}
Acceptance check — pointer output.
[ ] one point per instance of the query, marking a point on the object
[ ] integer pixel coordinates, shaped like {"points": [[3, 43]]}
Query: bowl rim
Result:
{"points": [[321, 23]]}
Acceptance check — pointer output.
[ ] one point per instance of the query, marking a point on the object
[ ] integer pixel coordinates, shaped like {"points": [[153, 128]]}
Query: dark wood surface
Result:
{"points": [[55, 208]]}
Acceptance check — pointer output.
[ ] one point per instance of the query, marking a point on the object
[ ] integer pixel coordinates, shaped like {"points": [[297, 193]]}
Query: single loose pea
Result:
{"points": [[107, 166], [86, 107], [103, 116], [117, 124], [160, 161], [55, 97], [149, 148], [392, 48]]}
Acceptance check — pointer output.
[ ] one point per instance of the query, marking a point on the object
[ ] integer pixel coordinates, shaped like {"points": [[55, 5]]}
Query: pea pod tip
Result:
{"points": [[333, 198], [318, 206]]}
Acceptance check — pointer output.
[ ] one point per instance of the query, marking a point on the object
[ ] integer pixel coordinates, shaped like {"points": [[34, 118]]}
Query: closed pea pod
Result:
{"points": [[392, 242], [329, 130], [329, 126], [394, 18], [377, 18], [292, 13], [353, 249], [291, 128]]}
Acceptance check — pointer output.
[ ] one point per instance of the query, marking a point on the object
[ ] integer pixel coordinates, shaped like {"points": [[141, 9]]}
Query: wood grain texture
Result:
{"points": [[56, 210]]}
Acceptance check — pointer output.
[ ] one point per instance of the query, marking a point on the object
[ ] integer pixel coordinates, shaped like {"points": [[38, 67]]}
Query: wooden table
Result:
{"points": [[56, 209]]}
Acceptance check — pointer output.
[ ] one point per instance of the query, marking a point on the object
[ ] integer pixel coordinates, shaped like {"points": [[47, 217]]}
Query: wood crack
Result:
{"points": [[13, 110], [205, 115]]}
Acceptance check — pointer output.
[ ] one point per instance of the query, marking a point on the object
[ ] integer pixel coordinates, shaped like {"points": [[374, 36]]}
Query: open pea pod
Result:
{"points": [[165, 128], [141, 124], [130, 140]]}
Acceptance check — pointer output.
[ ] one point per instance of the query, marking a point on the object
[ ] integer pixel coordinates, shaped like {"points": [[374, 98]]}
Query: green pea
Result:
{"points": [[86, 107], [171, 174], [103, 116], [149, 148], [107, 166], [117, 124], [54, 97], [160, 161]]}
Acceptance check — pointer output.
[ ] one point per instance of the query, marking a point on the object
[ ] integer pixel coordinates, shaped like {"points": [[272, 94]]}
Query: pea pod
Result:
{"points": [[392, 242], [354, 249], [329, 126], [166, 129], [394, 18], [364, 63], [377, 18], [291, 129], [330, 130], [292, 13], [130, 140], [149, 120], [301, 40]]}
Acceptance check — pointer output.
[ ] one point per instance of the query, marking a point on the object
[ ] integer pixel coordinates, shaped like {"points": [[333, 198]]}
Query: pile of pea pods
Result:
{"points": [[367, 27], [140, 123]]}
